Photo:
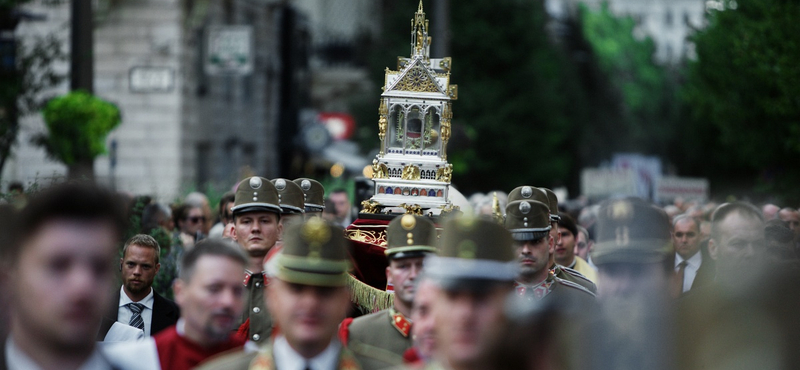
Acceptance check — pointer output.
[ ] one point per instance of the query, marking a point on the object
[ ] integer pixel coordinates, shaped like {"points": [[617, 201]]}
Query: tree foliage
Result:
{"points": [[77, 124], [745, 88]]}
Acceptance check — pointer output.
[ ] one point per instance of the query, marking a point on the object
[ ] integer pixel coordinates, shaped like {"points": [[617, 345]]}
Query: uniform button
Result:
{"points": [[256, 309], [256, 337], [258, 284]]}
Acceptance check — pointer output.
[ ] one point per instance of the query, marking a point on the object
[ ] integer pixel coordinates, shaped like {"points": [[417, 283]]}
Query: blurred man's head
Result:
{"points": [[308, 295], [475, 272], [584, 244], [737, 241], [139, 266], [792, 219], [190, 220], [423, 331], [341, 203], [565, 247], [209, 291], [686, 236], [770, 211], [62, 268]]}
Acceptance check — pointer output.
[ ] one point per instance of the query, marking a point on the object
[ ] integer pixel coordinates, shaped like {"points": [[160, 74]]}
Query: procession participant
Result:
{"points": [[380, 339], [308, 297], [313, 196]]}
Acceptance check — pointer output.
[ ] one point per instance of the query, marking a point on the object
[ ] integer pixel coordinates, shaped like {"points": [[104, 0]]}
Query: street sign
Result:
{"points": [[229, 50], [151, 79], [668, 189]]}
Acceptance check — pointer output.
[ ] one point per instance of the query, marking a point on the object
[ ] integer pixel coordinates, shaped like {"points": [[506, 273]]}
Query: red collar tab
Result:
{"points": [[400, 322]]}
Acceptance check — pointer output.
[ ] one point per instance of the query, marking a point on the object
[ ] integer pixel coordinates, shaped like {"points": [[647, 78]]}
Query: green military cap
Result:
{"points": [[528, 193], [631, 231], [314, 253], [313, 194], [472, 250], [410, 236], [552, 202], [255, 194], [290, 197], [527, 220]]}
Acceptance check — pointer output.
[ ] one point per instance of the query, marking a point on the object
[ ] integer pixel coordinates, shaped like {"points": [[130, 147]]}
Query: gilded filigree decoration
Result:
{"points": [[410, 172], [449, 209], [417, 79], [445, 173], [367, 236], [370, 206], [383, 123], [412, 209]]}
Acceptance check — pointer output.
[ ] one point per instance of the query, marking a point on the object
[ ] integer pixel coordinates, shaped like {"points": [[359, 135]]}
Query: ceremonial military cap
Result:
{"points": [[631, 231], [255, 194], [528, 193], [527, 219], [313, 194], [552, 203], [410, 236], [472, 250], [314, 253], [290, 196]]}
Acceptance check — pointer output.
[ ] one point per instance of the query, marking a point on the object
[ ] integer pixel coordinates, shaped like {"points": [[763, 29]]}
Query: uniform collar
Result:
{"points": [[400, 322], [248, 275]]}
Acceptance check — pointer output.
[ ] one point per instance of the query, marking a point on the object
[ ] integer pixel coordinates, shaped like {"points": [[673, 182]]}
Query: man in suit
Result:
{"points": [[137, 304], [693, 266]]}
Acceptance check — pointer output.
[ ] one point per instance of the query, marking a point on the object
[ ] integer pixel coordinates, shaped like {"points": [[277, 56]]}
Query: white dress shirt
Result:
{"points": [[287, 359], [690, 272], [124, 314], [16, 359]]}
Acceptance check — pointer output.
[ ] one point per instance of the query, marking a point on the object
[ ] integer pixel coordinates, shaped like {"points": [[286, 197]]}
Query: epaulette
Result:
{"points": [[578, 275], [574, 285]]}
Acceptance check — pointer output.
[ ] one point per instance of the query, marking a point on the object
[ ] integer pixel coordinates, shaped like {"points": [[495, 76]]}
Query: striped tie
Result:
{"points": [[136, 319]]}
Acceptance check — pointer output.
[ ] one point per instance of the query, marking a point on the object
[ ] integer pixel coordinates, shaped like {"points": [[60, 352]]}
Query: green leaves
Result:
{"points": [[78, 124]]}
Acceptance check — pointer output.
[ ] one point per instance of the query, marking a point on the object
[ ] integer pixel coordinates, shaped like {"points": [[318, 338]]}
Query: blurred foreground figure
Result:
{"points": [[379, 340], [308, 298], [423, 332], [210, 295], [475, 274], [634, 259], [61, 278], [747, 318]]}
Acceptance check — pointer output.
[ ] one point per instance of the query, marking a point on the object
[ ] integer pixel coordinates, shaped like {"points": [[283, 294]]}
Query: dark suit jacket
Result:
{"points": [[707, 270], [165, 314]]}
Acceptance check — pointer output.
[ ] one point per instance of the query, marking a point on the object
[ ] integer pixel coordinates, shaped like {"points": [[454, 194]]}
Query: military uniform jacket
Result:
{"points": [[255, 309], [378, 340], [566, 273], [265, 360], [554, 286]]}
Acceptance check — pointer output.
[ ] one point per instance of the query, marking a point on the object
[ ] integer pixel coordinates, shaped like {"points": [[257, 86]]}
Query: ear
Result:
{"points": [[177, 289], [388, 276], [712, 249], [232, 231], [552, 244], [158, 267]]}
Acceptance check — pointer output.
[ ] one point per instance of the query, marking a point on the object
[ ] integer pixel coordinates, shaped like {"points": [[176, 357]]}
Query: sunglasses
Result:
{"points": [[196, 219]]}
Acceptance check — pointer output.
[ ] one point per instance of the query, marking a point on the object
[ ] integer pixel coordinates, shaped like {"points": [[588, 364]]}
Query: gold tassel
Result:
{"points": [[369, 298]]}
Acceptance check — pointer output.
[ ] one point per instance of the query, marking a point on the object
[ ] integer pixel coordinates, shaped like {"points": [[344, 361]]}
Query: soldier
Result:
{"points": [[529, 224], [475, 274], [549, 198], [308, 297], [290, 198], [313, 196], [380, 339], [256, 220]]}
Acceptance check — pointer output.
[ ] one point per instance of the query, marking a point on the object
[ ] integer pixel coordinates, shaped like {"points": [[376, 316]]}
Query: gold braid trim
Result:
{"points": [[371, 299]]}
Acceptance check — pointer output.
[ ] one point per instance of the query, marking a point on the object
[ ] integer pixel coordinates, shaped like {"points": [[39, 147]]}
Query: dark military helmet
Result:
{"points": [[527, 220], [290, 197], [410, 236], [313, 194], [552, 203], [314, 253], [472, 250], [631, 231], [255, 194]]}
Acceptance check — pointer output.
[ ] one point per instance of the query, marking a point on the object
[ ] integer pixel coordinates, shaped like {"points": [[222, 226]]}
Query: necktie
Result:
{"points": [[681, 272], [136, 319]]}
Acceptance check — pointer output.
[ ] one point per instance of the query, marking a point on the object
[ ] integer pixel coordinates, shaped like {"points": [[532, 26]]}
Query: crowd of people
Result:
{"points": [[95, 280]]}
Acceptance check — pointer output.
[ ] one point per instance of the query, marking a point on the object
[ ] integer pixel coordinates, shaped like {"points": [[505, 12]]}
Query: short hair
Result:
{"points": [[142, 240], [209, 247], [683, 217], [69, 201], [150, 216], [724, 210], [181, 212], [338, 191], [565, 221], [16, 185], [226, 198], [583, 231]]}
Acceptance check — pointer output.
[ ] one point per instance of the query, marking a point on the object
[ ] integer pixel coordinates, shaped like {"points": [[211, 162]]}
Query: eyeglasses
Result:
{"points": [[196, 219], [689, 234]]}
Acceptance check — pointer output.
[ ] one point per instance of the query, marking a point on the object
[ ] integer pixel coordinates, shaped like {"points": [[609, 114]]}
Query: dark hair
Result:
{"points": [[568, 223], [70, 201], [8, 234], [226, 198], [209, 247], [16, 185], [151, 216], [142, 240], [181, 212]]}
